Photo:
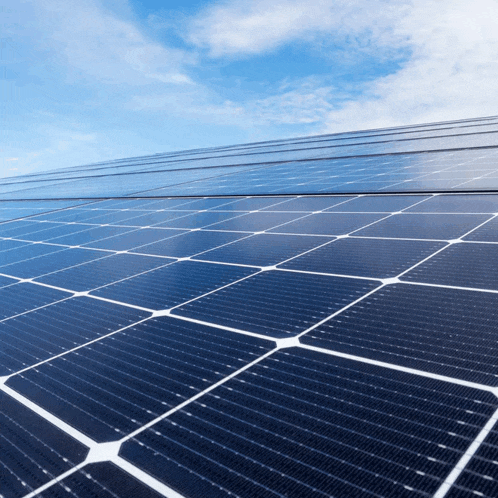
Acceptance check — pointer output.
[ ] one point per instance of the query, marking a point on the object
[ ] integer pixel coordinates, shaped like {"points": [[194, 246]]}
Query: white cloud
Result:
{"points": [[451, 74], [241, 28], [95, 43]]}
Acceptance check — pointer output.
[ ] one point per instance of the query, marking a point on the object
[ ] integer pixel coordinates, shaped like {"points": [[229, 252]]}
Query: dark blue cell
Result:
{"points": [[19, 298], [264, 249], [103, 479], [60, 230], [90, 235], [378, 203], [255, 222], [33, 451], [103, 271], [134, 238], [308, 204], [5, 281], [173, 284], [202, 219], [115, 217], [458, 204], [24, 229], [375, 258], [152, 218], [277, 303], [209, 203], [301, 423], [190, 243], [486, 233], [251, 204], [51, 262], [38, 335], [328, 223], [424, 226], [480, 476], [6, 245], [444, 331], [26, 253], [461, 265], [113, 386]]}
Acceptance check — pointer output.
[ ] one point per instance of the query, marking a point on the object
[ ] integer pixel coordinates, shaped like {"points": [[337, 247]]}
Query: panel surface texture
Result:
{"points": [[311, 316], [301, 423]]}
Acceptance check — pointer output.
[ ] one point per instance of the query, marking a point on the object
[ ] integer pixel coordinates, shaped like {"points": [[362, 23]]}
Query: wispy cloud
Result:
{"points": [[93, 42], [248, 28]]}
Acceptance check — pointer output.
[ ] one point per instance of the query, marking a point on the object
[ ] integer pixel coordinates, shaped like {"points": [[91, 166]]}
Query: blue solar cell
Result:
{"points": [[33, 450], [251, 204], [301, 423], [152, 218], [308, 203], [23, 228], [134, 238], [6, 245], [190, 243], [60, 230], [104, 480], [255, 222], [36, 336], [375, 258], [458, 204], [200, 220], [480, 476], [487, 233], [424, 226], [103, 271], [445, 331], [474, 262], [328, 223], [5, 281], [114, 217], [277, 303], [90, 235], [23, 297], [198, 204], [113, 386], [174, 284], [379, 203], [49, 263], [264, 249]]}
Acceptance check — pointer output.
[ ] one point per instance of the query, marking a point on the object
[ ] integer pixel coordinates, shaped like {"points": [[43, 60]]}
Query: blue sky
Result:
{"points": [[91, 80]]}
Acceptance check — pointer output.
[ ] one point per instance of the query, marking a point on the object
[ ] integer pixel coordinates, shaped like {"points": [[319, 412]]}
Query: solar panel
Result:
{"points": [[307, 317]]}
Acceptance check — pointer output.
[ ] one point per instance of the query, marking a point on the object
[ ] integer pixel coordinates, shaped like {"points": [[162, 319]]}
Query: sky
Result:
{"points": [[83, 81]]}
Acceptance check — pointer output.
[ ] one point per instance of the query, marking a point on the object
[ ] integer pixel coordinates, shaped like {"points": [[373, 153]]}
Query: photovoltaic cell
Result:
{"points": [[458, 204], [134, 238], [480, 477], [379, 203], [6, 245], [308, 203], [5, 281], [264, 249], [475, 263], [329, 223], [425, 226], [26, 253], [49, 263], [172, 285], [103, 271], [33, 450], [255, 222], [23, 297], [113, 386], [486, 233], [276, 303], [444, 331], [189, 244], [202, 219], [89, 235], [104, 480], [374, 258], [301, 423], [41, 334]]}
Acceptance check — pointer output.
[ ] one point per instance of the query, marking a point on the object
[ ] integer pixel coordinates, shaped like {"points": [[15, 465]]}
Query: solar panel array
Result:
{"points": [[312, 317]]}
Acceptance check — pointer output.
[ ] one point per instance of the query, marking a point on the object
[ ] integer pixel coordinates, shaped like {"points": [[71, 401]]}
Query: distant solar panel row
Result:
{"points": [[312, 345]]}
